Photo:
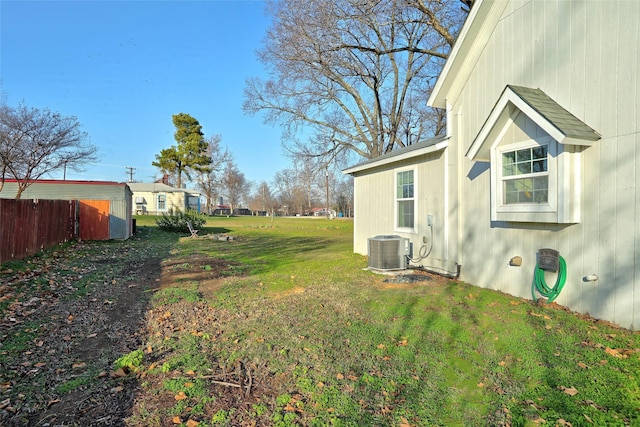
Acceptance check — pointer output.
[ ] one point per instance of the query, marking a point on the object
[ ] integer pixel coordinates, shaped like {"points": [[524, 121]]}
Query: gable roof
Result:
{"points": [[559, 123], [476, 31], [157, 187], [423, 147]]}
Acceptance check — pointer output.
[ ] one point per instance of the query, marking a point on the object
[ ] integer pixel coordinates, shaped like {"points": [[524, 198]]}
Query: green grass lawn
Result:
{"points": [[333, 345], [284, 326]]}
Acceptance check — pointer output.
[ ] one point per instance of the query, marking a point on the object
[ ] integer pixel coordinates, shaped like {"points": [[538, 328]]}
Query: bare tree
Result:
{"points": [[262, 199], [291, 193], [354, 74], [210, 181], [344, 195], [235, 185], [35, 142]]}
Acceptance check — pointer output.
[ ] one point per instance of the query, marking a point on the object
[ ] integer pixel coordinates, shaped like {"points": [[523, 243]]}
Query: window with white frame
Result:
{"points": [[162, 202], [537, 180], [405, 199], [525, 175]]}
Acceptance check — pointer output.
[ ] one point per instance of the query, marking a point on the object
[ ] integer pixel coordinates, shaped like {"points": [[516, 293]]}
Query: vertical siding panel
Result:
{"points": [[563, 23], [515, 52], [625, 220], [528, 34], [609, 71], [577, 81], [590, 211], [550, 48], [636, 232], [627, 77], [593, 59], [538, 31], [607, 224]]}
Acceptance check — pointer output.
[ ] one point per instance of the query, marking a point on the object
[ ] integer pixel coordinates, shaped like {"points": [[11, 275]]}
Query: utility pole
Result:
{"points": [[326, 177], [130, 169]]}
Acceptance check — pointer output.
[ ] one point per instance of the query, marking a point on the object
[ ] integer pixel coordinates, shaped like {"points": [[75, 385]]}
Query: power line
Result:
{"points": [[130, 172]]}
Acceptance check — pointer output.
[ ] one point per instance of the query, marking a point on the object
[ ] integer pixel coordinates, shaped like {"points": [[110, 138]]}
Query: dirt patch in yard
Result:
{"points": [[68, 314], [66, 317]]}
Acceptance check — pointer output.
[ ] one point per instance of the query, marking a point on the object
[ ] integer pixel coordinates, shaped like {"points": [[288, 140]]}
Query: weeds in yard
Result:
{"points": [[354, 352], [296, 333]]}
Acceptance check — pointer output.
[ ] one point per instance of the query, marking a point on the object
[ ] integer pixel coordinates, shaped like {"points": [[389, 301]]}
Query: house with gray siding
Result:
{"points": [[541, 152]]}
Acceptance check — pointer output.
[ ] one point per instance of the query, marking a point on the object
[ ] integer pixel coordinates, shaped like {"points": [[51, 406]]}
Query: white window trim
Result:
{"points": [[563, 193], [395, 200], [166, 202]]}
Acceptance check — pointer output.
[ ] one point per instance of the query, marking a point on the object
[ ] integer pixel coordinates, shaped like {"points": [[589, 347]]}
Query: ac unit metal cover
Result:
{"points": [[388, 252]]}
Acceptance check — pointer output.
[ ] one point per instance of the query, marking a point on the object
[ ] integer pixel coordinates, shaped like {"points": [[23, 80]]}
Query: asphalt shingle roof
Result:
{"points": [[562, 119]]}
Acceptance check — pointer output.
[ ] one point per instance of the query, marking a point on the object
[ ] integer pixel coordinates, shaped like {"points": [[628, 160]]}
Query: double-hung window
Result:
{"points": [[525, 182], [405, 199], [162, 202], [525, 175]]}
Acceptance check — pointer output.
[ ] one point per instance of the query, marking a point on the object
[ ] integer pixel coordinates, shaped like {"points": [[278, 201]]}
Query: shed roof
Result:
{"points": [[423, 147], [69, 182]]}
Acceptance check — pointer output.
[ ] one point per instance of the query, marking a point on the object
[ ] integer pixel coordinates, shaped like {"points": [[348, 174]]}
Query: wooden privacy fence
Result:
{"points": [[28, 226]]}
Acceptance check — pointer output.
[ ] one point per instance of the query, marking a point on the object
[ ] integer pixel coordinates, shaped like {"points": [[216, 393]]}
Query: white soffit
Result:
{"points": [[422, 148]]}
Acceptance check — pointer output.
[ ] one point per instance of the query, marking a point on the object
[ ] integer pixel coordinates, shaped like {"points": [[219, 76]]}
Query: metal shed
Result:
{"points": [[104, 210]]}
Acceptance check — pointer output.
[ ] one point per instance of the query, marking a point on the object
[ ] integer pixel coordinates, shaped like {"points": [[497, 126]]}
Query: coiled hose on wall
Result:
{"points": [[540, 285]]}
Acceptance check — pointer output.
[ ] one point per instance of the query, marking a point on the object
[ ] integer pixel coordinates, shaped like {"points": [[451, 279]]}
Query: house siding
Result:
{"points": [[176, 199], [584, 55], [375, 196]]}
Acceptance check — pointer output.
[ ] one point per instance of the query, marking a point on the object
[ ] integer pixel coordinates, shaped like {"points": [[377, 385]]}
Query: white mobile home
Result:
{"points": [[156, 198], [542, 152]]}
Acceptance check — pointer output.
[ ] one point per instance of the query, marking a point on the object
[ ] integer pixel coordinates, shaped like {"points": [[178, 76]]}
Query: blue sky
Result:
{"points": [[123, 68]]}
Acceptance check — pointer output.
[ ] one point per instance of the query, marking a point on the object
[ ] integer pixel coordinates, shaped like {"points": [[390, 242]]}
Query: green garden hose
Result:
{"points": [[541, 286]]}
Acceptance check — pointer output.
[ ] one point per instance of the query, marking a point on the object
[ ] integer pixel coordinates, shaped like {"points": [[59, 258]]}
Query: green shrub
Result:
{"points": [[176, 220]]}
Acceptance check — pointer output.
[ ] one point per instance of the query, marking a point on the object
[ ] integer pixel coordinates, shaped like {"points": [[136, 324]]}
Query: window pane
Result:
{"points": [[509, 157], [405, 213], [526, 190], [523, 155], [540, 166], [524, 168], [404, 188], [541, 183], [508, 170], [540, 152]]}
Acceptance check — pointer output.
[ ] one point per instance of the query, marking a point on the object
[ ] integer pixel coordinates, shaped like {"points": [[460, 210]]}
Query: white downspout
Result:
{"points": [[445, 226]]}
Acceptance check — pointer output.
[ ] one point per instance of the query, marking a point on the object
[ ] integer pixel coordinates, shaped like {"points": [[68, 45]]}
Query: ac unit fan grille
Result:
{"points": [[386, 253]]}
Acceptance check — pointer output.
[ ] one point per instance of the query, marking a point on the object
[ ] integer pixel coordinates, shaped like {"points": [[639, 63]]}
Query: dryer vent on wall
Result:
{"points": [[388, 252]]}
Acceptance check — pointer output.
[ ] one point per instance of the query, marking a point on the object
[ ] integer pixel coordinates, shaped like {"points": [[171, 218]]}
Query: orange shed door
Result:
{"points": [[94, 219]]}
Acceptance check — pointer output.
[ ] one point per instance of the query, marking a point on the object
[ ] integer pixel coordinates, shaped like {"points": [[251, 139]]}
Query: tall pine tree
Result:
{"points": [[190, 152]]}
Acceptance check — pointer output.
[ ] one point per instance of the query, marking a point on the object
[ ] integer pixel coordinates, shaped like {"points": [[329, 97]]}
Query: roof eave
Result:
{"points": [[474, 34], [393, 159]]}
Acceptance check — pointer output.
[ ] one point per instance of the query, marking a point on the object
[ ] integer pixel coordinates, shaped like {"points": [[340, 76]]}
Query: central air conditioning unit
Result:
{"points": [[388, 252]]}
